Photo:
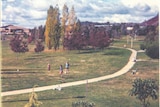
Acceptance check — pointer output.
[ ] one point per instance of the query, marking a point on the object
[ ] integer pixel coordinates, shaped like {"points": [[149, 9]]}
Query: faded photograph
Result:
{"points": [[79, 53]]}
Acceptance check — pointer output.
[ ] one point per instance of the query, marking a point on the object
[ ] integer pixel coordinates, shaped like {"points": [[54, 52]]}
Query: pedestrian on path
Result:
{"points": [[66, 67], [124, 70], [61, 70], [134, 59]]}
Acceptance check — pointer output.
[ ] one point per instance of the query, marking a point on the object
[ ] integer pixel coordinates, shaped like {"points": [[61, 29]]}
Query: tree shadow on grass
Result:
{"points": [[44, 99], [89, 51], [21, 71], [114, 51], [38, 57]]}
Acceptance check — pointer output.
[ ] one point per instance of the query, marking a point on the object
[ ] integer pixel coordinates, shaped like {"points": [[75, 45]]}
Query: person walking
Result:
{"points": [[67, 67], [49, 67], [61, 70]]}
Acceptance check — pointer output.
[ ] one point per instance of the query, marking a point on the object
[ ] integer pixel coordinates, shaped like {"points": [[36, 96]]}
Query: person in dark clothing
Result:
{"points": [[61, 70]]}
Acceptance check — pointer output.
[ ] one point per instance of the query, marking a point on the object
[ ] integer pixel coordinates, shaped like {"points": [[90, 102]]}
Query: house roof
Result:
{"points": [[13, 27]]}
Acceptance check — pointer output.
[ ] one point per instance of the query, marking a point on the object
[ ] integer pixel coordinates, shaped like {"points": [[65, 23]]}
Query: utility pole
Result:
{"points": [[127, 38], [130, 29], [131, 42]]}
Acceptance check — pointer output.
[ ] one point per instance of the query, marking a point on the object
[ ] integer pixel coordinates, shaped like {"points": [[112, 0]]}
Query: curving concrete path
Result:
{"points": [[124, 70]]}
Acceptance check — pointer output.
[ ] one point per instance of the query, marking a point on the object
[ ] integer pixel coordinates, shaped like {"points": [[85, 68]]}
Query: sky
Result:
{"points": [[33, 13]]}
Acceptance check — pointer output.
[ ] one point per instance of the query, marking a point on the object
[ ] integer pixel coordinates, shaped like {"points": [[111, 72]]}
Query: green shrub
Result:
{"points": [[144, 89], [83, 104], [153, 50], [142, 46]]}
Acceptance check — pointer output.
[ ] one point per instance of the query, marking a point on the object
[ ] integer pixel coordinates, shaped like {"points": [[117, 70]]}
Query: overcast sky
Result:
{"points": [[31, 13]]}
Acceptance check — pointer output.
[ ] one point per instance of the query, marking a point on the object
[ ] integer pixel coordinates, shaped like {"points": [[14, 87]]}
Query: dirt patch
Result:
{"points": [[126, 80], [52, 50], [146, 74]]}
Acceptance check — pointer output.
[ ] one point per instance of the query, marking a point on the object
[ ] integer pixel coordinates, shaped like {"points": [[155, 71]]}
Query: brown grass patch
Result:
{"points": [[52, 50]]}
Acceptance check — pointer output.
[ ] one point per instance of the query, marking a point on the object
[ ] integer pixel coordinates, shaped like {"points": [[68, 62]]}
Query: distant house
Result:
{"points": [[13, 30]]}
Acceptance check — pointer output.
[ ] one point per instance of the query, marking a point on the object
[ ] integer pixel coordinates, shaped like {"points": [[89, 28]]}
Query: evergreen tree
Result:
{"points": [[41, 32], [32, 36], [39, 46]]}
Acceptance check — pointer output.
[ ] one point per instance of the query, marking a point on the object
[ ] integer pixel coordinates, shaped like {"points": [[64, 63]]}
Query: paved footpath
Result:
{"points": [[124, 70]]}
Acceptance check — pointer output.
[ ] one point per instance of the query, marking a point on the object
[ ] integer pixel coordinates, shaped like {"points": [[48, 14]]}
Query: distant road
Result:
{"points": [[124, 70]]}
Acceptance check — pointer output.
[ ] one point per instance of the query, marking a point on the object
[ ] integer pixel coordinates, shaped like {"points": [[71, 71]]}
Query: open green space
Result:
{"points": [[123, 41], [142, 55], [84, 64], [109, 93], [33, 66]]}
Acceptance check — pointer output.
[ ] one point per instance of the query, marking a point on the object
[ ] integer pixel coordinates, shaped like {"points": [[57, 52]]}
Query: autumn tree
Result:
{"points": [[41, 30], [72, 28], [74, 38], [52, 28], [33, 100], [77, 41], [48, 27], [36, 33], [64, 19], [99, 38], [72, 18], [77, 26], [71, 22], [32, 35], [18, 44], [39, 46]]}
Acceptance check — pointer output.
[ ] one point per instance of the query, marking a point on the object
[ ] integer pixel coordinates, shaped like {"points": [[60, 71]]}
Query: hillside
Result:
{"points": [[153, 21]]}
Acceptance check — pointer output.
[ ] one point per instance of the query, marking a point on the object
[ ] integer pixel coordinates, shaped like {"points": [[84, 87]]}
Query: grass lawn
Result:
{"points": [[109, 93], [123, 41], [86, 64], [33, 67]]}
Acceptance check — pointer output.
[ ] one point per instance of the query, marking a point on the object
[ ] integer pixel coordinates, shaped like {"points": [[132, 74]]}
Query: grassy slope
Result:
{"points": [[110, 93], [83, 65]]}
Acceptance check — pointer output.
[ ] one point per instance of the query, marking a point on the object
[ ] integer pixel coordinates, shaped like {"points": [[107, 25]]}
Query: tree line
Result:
{"points": [[65, 31], [68, 31]]}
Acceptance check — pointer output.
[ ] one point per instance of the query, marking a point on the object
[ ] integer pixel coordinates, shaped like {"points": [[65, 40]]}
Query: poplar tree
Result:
{"points": [[72, 19], [64, 19], [48, 27], [55, 28], [72, 29], [52, 28], [77, 26]]}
